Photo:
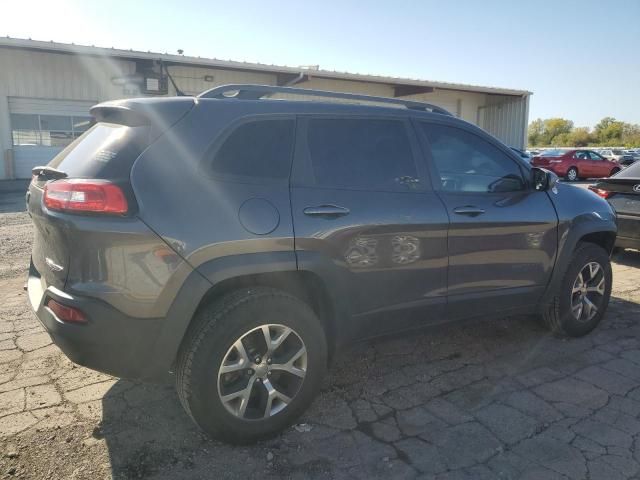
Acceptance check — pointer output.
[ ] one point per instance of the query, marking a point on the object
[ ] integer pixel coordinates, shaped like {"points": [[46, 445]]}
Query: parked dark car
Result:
{"points": [[238, 241], [576, 164], [622, 191]]}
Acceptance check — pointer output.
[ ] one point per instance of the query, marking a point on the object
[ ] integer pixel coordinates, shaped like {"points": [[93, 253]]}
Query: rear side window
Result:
{"points": [[261, 149], [361, 154], [106, 150], [467, 163]]}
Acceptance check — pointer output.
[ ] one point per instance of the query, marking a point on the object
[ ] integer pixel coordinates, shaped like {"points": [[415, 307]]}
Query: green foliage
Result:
{"points": [[559, 132]]}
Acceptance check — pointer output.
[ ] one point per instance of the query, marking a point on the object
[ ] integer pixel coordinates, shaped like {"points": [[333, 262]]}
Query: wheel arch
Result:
{"points": [[218, 277], [602, 233]]}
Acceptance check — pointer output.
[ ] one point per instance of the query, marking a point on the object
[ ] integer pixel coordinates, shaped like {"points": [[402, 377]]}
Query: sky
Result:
{"points": [[581, 59]]}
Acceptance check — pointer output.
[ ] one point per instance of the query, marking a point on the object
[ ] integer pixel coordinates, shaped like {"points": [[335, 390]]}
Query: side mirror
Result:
{"points": [[543, 179]]}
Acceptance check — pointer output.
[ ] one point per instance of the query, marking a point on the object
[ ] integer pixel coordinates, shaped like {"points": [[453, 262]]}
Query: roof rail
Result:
{"points": [[257, 92]]}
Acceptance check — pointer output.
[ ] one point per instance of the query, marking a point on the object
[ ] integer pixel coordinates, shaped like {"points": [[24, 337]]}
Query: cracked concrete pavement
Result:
{"points": [[493, 399]]}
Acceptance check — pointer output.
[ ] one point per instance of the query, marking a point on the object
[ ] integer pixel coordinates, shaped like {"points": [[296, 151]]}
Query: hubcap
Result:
{"points": [[572, 174], [262, 372], [587, 293]]}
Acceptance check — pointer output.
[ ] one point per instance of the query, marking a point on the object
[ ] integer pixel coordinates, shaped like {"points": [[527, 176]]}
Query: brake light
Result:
{"points": [[80, 195], [65, 313], [600, 192]]}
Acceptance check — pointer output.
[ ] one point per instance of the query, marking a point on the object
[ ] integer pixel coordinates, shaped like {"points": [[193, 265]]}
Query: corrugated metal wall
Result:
{"points": [[506, 119]]}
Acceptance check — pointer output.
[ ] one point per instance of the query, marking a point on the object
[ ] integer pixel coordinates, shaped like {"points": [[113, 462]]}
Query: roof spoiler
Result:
{"points": [[160, 113]]}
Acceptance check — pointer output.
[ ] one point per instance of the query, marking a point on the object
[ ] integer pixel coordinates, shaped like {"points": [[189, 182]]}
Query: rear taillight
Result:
{"points": [[81, 195], [600, 192], [65, 313]]}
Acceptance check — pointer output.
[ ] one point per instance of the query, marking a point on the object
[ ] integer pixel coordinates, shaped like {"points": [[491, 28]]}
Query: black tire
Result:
{"points": [[214, 330], [614, 171], [557, 316], [569, 176]]}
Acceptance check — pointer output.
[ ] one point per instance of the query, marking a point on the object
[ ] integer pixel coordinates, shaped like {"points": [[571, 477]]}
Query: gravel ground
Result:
{"points": [[493, 399]]}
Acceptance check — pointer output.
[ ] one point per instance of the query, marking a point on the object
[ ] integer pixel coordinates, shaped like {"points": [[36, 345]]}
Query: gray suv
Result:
{"points": [[237, 240]]}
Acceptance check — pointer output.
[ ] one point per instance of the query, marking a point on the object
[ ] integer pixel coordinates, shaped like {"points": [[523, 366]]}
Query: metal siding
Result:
{"points": [[60, 76], [505, 119], [191, 79]]}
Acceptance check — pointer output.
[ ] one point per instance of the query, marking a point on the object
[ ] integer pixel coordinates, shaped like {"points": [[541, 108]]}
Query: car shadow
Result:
{"points": [[148, 434], [12, 202], [628, 258]]}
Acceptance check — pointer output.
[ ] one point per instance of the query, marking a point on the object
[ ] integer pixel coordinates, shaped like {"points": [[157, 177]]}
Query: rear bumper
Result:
{"points": [[628, 231], [110, 341]]}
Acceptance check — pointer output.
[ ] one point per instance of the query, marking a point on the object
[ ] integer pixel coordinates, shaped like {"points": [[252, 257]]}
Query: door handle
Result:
{"points": [[326, 211], [469, 210]]}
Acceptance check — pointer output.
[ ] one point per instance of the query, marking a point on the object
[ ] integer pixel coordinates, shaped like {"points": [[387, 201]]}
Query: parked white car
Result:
{"points": [[617, 155]]}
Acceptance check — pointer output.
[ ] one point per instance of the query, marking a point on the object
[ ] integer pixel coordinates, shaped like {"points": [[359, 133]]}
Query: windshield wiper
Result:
{"points": [[48, 172]]}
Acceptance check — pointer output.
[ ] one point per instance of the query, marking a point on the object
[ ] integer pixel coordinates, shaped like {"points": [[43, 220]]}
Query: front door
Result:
{"points": [[502, 236], [364, 213]]}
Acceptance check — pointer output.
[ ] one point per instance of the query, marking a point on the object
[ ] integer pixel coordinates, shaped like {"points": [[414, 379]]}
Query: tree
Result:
{"points": [[554, 127], [559, 132], [536, 129], [579, 137], [609, 131]]}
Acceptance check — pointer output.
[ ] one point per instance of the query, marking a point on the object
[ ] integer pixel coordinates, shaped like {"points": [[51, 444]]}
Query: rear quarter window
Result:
{"points": [[106, 150], [255, 149]]}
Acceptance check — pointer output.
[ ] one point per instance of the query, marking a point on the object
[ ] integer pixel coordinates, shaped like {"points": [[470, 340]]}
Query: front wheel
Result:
{"points": [[572, 174], [252, 363], [584, 293]]}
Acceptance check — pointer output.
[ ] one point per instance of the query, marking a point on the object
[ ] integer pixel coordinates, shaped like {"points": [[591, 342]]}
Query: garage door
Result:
{"points": [[42, 128]]}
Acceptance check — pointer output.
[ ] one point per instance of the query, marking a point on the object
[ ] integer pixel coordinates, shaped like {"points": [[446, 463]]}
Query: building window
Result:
{"points": [[47, 130]]}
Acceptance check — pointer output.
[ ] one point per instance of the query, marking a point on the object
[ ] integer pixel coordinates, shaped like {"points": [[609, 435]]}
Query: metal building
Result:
{"points": [[47, 88]]}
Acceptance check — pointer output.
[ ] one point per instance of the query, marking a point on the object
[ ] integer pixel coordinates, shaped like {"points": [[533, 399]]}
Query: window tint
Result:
{"points": [[581, 155], [361, 154], [595, 156], [467, 163], [260, 148]]}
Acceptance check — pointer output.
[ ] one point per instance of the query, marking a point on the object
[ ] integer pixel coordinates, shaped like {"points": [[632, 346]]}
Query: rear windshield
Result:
{"points": [[552, 153], [106, 150], [633, 171]]}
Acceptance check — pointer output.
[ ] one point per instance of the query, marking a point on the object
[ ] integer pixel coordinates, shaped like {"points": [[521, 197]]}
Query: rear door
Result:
{"points": [[365, 215], [600, 166], [502, 236], [583, 162]]}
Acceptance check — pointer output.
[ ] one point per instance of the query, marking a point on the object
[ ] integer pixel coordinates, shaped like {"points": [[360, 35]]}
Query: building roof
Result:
{"points": [[246, 66]]}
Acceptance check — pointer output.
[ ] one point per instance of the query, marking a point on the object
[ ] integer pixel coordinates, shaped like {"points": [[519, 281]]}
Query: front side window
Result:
{"points": [[47, 130], [464, 162], [371, 154], [581, 155], [258, 149]]}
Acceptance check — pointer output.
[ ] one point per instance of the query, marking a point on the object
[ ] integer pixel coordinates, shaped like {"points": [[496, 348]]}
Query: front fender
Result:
{"points": [[580, 213]]}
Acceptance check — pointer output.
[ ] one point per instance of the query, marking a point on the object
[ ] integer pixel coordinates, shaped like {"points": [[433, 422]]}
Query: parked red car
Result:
{"points": [[576, 164]]}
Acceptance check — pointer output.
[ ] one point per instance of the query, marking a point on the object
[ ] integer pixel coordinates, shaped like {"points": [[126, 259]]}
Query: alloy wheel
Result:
{"points": [[587, 294], [262, 372]]}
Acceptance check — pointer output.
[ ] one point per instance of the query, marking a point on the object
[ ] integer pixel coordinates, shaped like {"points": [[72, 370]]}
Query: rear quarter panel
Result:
{"points": [[197, 215]]}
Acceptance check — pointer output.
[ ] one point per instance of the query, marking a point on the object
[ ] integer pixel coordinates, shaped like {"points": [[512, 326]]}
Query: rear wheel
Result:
{"points": [[252, 363], [584, 293], [572, 174], [614, 171]]}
